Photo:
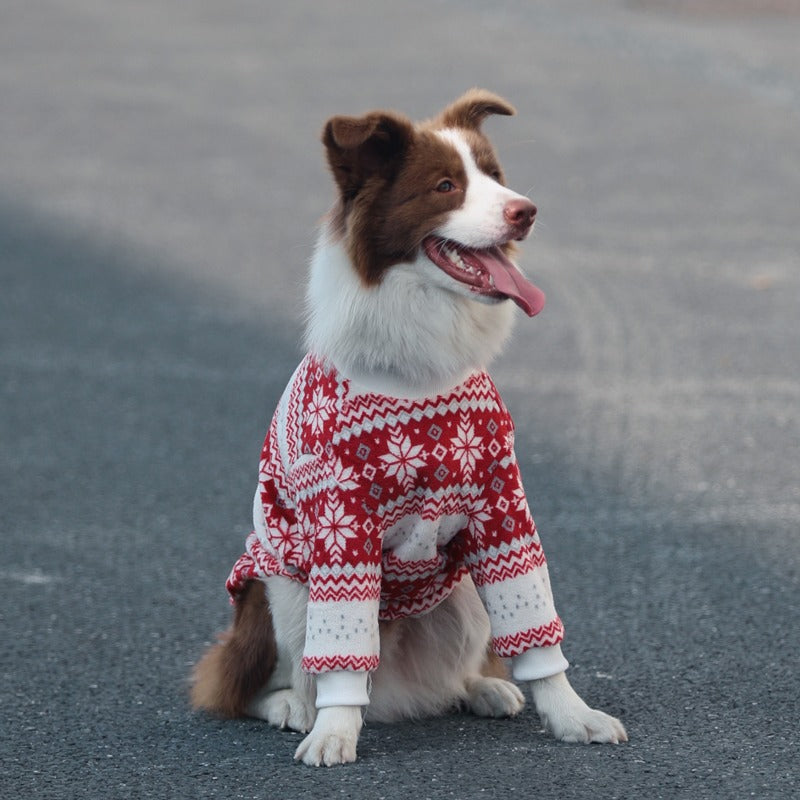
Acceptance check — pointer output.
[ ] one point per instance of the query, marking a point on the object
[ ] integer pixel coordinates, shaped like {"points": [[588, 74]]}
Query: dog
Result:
{"points": [[394, 570]]}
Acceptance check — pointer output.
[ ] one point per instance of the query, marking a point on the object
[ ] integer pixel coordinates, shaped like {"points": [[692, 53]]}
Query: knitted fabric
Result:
{"points": [[382, 505]]}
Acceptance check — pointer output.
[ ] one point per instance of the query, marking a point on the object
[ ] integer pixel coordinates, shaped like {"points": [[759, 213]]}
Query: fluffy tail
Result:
{"points": [[232, 671]]}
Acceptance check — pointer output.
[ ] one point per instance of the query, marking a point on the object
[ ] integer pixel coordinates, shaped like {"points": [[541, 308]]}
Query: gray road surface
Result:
{"points": [[160, 181]]}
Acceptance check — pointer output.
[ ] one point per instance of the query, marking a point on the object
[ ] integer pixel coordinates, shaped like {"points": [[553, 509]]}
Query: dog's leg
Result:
{"points": [[334, 737], [491, 694], [287, 700], [494, 697], [568, 718], [284, 708]]}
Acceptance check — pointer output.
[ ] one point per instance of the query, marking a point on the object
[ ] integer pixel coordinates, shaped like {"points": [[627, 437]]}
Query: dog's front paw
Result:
{"points": [[284, 708], [568, 718], [584, 726], [494, 697], [333, 738]]}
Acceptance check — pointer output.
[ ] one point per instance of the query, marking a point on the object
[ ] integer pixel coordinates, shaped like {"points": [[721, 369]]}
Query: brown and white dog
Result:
{"points": [[408, 297]]}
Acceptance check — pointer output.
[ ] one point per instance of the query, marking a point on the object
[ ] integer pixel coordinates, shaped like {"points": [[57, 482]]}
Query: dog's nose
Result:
{"points": [[520, 213]]}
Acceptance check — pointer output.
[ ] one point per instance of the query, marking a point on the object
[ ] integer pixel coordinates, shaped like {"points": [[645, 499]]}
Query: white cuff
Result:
{"points": [[538, 662], [342, 688]]}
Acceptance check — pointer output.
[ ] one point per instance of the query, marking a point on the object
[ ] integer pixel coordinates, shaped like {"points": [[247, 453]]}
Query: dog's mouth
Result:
{"points": [[488, 272]]}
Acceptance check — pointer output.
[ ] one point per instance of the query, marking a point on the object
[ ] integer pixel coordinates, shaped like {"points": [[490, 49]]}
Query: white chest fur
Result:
{"points": [[409, 336]]}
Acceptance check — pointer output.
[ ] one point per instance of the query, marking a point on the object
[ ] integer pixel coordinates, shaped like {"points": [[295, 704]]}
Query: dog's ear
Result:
{"points": [[359, 148], [470, 110]]}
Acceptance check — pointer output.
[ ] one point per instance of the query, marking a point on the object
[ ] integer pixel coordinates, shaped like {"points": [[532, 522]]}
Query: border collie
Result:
{"points": [[394, 570]]}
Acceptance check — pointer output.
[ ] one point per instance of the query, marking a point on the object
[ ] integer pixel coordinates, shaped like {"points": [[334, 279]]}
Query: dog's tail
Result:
{"points": [[232, 671]]}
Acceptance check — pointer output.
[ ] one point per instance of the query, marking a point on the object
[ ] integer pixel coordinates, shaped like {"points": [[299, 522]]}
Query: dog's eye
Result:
{"points": [[445, 186], [496, 174]]}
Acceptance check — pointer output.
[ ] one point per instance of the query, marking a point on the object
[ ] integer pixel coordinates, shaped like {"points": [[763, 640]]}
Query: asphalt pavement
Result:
{"points": [[160, 182]]}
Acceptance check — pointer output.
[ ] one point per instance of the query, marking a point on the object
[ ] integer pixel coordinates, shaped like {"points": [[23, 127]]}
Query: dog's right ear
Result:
{"points": [[359, 148]]}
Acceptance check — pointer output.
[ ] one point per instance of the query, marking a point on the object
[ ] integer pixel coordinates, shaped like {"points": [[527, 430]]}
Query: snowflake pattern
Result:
{"points": [[520, 502], [319, 410], [281, 537], [335, 527], [403, 459], [304, 542], [466, 447], [477, 519], [343, 476], [361, 463]]}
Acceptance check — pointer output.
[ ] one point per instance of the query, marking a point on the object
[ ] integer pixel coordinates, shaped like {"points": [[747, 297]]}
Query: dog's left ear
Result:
{"points": [[470, 110], [359, 148]]}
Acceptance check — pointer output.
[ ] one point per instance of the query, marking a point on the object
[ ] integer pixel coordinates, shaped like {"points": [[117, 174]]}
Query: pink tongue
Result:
{"points": [[508, 280]]}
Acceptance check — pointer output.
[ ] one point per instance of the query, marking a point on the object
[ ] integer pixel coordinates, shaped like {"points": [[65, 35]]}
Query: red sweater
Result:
{"points": [[382, 505]]}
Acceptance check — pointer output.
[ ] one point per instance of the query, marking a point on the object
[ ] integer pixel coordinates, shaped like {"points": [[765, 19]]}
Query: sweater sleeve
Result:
{"points": [[344, 583], [509, 569]]}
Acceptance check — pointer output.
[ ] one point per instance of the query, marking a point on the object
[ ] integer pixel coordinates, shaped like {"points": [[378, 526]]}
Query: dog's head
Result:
{"points": [[432, 194]]}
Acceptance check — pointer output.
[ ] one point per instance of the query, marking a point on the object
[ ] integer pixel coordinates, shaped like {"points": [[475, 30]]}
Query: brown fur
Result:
{"points": [[240, 664], [472, 108], [388, 170], [495, 667]]}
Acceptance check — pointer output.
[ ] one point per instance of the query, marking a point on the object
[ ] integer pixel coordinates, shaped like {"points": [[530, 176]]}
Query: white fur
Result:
{"points": [[416, 333], [480, 221], [333, 739], [568, 718], [429, 665], [419, 331], [413, 334]]}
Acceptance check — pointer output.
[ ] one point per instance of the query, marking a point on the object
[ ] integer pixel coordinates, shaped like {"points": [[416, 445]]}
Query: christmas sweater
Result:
{"points": [[381, 505]]}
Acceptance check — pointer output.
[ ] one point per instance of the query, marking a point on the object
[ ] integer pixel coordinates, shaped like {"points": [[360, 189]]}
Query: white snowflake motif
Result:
{"points": [[334, 528], [403, 459], [281, 537], [318, 411], [477, 517], [342, 475], [305, 542], [466, 447], [520, 502]]}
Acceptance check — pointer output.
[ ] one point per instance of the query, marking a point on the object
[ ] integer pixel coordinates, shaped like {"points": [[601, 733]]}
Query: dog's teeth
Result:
{"points": [[455, 258]]}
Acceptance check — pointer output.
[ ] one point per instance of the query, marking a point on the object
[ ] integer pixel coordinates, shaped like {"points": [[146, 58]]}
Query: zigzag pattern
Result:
{"points": [[338, 591], [504, 550], [391, 413], [401, 605], [428, 503], [266, 468], [290, 435], [261, 563], [316, 664], [496, 570], [361, 409], [395, 568], [543, 636], [309, 481], [340, 594], [382, 505]]}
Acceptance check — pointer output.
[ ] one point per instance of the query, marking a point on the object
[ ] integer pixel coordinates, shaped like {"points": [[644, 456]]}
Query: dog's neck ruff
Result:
{"points": [[408, 336]]}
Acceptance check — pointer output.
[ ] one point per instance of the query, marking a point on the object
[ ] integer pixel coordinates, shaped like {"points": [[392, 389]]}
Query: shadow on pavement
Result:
{"points": [[134, 407]]}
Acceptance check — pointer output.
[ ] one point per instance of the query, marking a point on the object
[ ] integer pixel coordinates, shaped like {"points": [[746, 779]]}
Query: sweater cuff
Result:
{"points": [[342, 688], [538, 662]]}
